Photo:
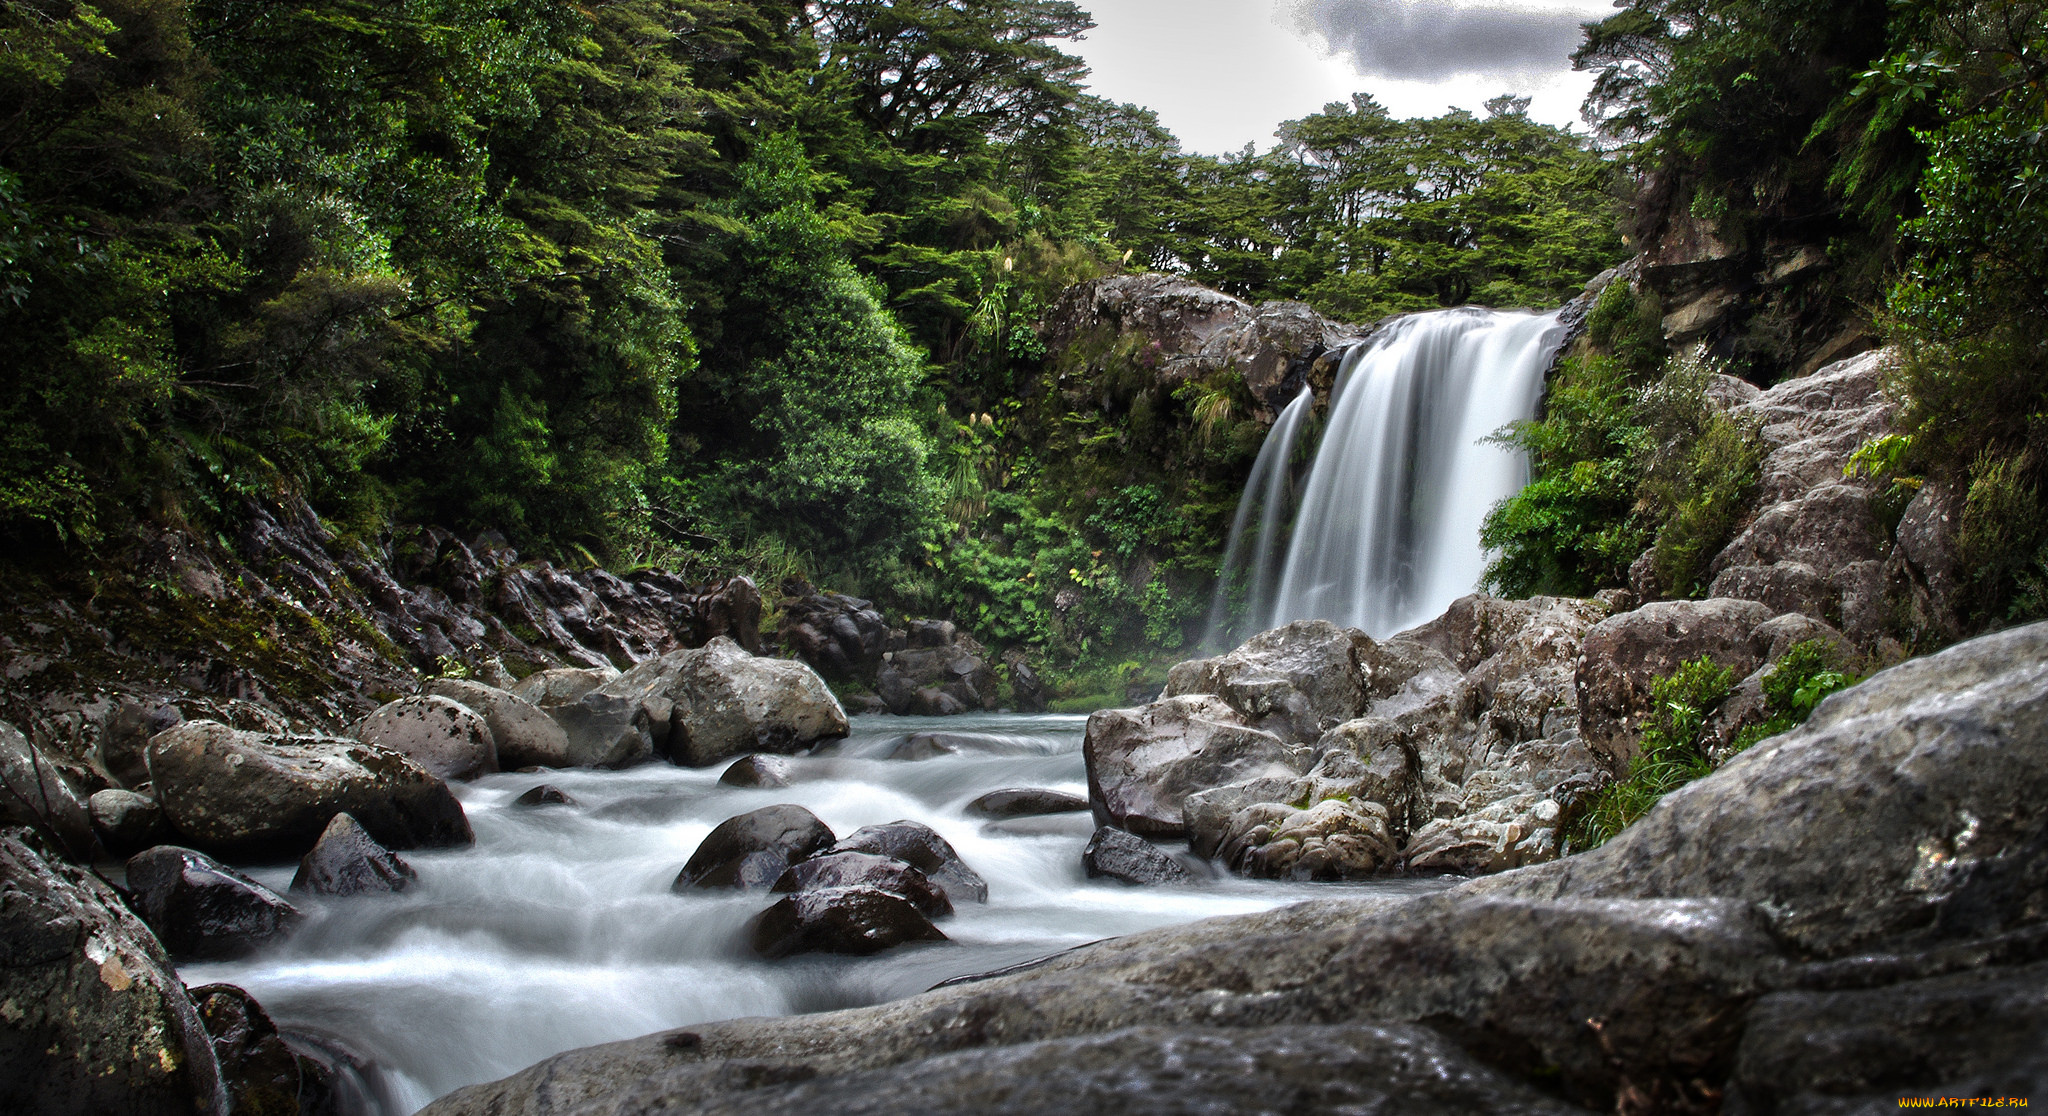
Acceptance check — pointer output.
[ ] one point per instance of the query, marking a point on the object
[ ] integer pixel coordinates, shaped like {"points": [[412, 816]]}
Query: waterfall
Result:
{"points": [[1269, 494], [1386, 530]]}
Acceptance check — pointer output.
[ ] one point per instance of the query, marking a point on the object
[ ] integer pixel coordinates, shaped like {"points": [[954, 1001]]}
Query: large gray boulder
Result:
{"points": [[717, 701], [238, 793], [525, 736], [1902, 814], [202, 909], [1143, 763], [1296, 682], [94, 1019], [1623, 656], [446, 737]]}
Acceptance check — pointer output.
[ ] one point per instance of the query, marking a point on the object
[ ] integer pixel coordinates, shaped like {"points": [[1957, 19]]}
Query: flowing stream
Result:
{"points": [[1384, 533], [558, 928]]}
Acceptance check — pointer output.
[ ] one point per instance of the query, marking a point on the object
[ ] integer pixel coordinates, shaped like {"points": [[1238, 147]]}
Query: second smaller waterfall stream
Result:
{"points": [[1385, 530]]}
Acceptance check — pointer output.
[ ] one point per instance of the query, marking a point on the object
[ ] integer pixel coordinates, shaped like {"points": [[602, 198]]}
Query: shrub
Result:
{"points": [[1672, 753]]}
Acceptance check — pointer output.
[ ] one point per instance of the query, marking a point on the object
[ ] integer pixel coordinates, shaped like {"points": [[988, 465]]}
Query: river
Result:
{"points": [[557, 929]]}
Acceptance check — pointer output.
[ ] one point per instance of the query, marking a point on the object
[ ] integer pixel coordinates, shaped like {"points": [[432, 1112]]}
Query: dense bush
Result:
{"points": [[1622, 462]]}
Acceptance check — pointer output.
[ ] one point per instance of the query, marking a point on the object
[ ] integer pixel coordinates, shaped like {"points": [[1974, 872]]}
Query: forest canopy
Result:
{"points": [[754, 281]]}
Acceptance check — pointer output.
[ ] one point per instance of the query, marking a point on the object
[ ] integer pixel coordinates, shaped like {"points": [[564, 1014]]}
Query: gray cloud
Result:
{"points": [[1430, 40]]}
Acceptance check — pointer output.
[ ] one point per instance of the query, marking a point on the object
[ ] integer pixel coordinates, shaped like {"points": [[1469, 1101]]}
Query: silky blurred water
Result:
{"points": [[558, 929]]}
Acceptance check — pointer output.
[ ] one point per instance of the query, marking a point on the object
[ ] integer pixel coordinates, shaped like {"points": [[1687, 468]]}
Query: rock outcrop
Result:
{"points": [[1814, 544], [237, 793], [1459, 746], [323, 630], [715, 702], [1798, 927], [1184, 331]]}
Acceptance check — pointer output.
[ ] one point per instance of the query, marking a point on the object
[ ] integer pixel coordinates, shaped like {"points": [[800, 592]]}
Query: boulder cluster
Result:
{"points": [[926, 668], [878, 888], [92, 1016], [1315, 752]]}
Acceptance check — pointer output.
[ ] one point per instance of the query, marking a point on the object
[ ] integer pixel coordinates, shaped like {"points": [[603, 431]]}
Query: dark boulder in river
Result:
{"points": [[855, 920], [242, 793], [346, 861], [853, 869], [757, 771], [95, 1020], [1025, 802], [202, 909], [920, 846], [1826, 920], [1117, 855], [752, 850], [264, 1076], [546, 794]]}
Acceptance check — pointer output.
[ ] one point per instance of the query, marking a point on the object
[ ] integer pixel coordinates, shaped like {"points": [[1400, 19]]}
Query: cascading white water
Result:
{"points": [[1387, 531], [1268, 494], [558, 928]]}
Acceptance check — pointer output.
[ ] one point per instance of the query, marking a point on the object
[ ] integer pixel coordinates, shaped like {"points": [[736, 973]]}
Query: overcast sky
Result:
{"points": [[1223, 73]]}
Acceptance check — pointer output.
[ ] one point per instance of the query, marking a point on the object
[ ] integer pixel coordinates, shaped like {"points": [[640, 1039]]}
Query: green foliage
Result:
{"points": [[1618, 470], [1574, 529], [1671, 753], [1698, 478], [1795, 684], [811, 387]]}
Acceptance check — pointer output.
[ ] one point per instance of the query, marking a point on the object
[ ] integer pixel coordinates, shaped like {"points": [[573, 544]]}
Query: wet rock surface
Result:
{"points": [[240, 793], [757, 771], [446, 737], [855, 919], [753, 850], [1025, 802], [96, 1021], [854, 869], [1117, 855], [35, 792], [202, 909], [921, 847], [347, 861], [262, 1073]]}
